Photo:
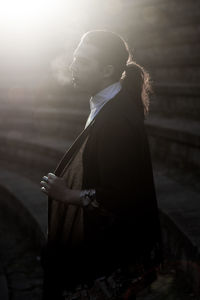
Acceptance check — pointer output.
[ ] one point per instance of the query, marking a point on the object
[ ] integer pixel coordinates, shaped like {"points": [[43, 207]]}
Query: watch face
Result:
{"points": [[88, 196], [86, 201]]}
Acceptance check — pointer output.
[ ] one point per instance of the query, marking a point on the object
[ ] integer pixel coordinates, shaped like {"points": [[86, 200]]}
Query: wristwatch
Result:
{"points": [[88, 197]]}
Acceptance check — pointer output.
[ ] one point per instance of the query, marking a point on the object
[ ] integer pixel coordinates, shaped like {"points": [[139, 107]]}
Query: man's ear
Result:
{"points": [[108, 71]]}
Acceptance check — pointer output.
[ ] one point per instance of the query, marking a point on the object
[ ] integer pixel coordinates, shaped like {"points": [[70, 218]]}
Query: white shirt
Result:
{"points": [[98, 101]]}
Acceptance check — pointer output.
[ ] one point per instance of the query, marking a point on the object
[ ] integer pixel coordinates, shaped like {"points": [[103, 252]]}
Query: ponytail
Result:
{"points": [[135, 80]]}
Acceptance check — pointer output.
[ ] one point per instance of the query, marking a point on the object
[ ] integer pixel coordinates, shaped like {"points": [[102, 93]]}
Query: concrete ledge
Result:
{"points": [[184, 131], [170, 56], [41, 123], [180, 220], [175, 74], [43, 112], [63, 122], [30, 196], [180, 253], [176, 106], [178, 89], [53, 129], [21, 243], [32, 151], [176, 101], [176, 141]]}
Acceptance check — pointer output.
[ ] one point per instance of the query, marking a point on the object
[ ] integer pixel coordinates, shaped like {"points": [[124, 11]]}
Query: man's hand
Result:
{"points": [[56, 188]]}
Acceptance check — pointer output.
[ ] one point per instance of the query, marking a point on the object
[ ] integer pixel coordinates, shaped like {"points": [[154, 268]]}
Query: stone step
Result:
{"points": [[141, 3], [182, 204], [180, 219], [57, 98], [164, 37], [21, 243], [34, 152], [29, 195], [4, 293], [176, 101], [169, 56], [145, 20], [54, 96], [43, 112], [175, 106], [60, 122], [174, 75], [175, 141], [177, 89], [66, 130]]}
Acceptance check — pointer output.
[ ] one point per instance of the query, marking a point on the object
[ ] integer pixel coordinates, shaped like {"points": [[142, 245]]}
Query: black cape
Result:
{"points": [[125, 229], [117, 163]]}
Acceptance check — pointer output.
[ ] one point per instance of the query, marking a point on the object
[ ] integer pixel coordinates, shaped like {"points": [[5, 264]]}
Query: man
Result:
{"points": [[103, 216]]}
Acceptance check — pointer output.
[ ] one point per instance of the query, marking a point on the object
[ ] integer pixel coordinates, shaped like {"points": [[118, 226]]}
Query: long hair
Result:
{"points": [[113, 50]]}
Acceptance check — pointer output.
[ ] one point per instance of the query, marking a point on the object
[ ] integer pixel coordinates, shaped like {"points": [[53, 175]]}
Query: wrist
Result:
{"points": [[73, 198], [81, 197]]}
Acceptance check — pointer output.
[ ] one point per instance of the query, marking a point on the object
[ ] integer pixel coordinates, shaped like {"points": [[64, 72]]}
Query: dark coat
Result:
{"points": [[117, 163], [125, 229]]}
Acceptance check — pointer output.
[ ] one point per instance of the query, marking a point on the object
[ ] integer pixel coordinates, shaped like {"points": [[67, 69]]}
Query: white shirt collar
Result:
{"points": [[101, 98], [104, 95]]}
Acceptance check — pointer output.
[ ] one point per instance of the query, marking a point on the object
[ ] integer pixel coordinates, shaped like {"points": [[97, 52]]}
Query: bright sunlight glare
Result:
{"points": [[22, 15]]}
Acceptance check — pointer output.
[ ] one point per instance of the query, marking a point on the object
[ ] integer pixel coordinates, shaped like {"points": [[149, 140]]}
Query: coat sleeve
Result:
{"points": [[123, 165]]}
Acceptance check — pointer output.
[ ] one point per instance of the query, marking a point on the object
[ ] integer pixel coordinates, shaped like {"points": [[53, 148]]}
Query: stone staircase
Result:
{"points": [[35, 133], [37, 138], [34, 202], [21, 275]]}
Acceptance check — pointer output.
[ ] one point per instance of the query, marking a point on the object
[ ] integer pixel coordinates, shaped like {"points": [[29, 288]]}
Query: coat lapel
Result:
{"points": [[72, 150], [66, 220]]}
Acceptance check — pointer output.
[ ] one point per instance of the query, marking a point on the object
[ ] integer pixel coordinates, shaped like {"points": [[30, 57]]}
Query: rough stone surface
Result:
{"points": [[19, 255]]}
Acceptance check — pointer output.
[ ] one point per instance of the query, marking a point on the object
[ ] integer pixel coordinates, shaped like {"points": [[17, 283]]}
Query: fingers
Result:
{"points": [[45, 178], [46, 181], [44, 190], [49, 178], [51, 175], [44, 187], [44, 184]]}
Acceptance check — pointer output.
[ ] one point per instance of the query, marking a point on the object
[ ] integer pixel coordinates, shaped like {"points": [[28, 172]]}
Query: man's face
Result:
{"points": [[87, 75]]}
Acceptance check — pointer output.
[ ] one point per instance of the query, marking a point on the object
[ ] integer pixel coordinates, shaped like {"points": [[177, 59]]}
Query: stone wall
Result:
{"points": [[165, 38]]}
